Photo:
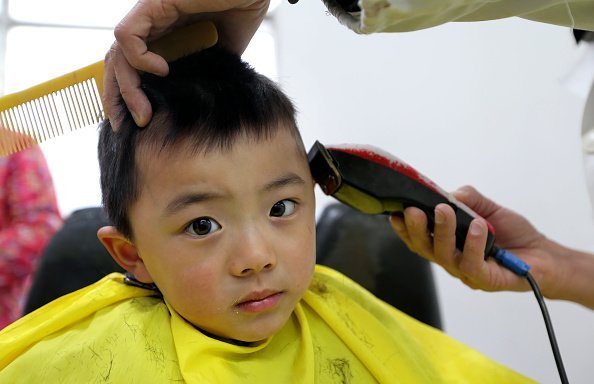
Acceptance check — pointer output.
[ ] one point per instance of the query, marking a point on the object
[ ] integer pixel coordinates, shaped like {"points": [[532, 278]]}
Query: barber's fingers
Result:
{"points": [[469, 264], [146, 21], [397, 223], [482, 205], [441, 246], [473, 269], [111, 90], [486, 274], [444, 238], [120, 78], [236, 21], [412, 229]]}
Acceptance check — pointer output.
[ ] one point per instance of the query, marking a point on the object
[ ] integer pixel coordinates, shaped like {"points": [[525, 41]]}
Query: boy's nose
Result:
{"points": [[253, 254]]}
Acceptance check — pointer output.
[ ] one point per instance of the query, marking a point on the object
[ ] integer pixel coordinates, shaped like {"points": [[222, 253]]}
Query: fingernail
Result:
{"points": [[396, 222], [475, 228], [461, 192], [439, 217]]}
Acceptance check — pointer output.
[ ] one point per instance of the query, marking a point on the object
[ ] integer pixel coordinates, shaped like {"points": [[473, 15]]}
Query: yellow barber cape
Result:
{"points": [[110, 332]]}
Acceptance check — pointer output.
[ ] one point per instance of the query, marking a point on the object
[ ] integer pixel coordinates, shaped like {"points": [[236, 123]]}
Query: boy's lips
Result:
{"points": [[259, 301]]}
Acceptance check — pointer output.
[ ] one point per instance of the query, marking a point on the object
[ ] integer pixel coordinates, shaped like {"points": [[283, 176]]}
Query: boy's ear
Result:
{"points": [[124, 252]]}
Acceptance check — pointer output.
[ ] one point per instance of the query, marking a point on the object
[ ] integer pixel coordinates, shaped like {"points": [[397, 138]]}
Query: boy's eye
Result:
{"points": [[203, 226], [282, 208]]}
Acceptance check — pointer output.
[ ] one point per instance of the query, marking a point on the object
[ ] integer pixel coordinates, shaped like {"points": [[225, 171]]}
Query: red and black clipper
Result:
{"points": [[375, 182]]}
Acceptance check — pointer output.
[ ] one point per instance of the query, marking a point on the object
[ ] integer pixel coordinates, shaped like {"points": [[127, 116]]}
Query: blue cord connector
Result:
{"points": [[510, 261]]}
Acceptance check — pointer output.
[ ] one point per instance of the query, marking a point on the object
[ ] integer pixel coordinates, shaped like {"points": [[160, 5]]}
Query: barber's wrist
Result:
{"points": [[567, 274], [577, 281]]}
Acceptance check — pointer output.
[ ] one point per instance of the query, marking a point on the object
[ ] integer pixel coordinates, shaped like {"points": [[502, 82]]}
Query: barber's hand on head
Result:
{"points": [[512, 232], [236, 22]]}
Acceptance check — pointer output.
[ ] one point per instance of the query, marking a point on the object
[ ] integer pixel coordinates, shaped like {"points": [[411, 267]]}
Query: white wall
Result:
{"points": [[474, 103]]}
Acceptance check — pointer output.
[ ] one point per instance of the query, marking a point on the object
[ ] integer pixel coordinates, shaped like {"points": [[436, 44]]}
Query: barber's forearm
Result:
{"points": [[409, 15], [572, 275]]}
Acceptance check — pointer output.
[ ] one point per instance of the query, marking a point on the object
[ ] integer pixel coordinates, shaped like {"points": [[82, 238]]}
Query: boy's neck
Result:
{"points": [[229, 341]]}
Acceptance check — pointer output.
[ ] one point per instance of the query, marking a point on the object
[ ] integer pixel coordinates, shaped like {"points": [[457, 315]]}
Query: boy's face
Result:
{"points": [[228, 236]]}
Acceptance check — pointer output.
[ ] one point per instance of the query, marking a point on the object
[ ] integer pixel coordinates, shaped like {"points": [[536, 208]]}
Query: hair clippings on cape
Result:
{"points": [[129, 279]]}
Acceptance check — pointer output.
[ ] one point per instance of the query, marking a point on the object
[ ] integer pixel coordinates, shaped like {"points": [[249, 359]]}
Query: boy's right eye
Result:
{"points": [[203, 226]]}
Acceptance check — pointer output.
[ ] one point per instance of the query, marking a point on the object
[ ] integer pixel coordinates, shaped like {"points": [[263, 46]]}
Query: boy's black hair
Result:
{"points": [[208, 100]]}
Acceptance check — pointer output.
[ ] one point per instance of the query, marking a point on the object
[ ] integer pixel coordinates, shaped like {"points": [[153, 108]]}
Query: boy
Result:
{"points": [[213, 213]]}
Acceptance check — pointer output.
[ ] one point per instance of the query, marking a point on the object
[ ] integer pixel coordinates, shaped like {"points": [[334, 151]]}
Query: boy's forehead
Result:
{"points": [[175, 153], [249, 166]]}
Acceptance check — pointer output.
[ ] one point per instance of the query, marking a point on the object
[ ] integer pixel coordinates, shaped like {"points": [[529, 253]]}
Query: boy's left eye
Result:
{"points": [[282, 208]]}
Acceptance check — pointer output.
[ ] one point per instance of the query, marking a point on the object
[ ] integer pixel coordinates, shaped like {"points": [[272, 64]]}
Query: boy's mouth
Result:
{"points": [[259, 301]]}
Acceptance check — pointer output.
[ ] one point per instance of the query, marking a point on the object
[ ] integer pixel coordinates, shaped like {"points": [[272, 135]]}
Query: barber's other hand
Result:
{"points": [[513, 232], [236, 22]]}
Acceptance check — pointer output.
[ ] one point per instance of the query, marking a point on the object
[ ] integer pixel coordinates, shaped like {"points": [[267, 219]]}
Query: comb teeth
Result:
{"points": [[51, 115], [50, 109]]}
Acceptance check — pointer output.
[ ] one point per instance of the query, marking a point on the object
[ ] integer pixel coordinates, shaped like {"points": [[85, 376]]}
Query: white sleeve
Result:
{"points": [[409, 15]]}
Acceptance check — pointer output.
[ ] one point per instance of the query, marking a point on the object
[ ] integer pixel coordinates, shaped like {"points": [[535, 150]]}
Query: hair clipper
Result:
{"points": [[375, 182]]}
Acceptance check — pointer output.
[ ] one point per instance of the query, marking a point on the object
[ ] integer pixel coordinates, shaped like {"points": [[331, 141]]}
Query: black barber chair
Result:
{"points": [[365, 248], [73, 259], [361, 246]]}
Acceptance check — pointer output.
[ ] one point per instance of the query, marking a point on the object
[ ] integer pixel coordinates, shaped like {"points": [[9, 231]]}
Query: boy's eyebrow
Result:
{"points": [[184, 200], [288, 179]]}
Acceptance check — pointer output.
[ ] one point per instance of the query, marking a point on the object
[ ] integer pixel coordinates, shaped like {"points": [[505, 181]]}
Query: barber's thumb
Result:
{"points": [[468, 195], [475, 200]]}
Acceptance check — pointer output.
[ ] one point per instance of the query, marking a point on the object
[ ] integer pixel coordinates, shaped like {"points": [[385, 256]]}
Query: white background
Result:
{"points": [[474, 103]]}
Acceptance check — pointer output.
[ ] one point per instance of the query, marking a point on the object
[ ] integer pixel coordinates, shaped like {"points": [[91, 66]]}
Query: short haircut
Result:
{"points": [[208, 100]]}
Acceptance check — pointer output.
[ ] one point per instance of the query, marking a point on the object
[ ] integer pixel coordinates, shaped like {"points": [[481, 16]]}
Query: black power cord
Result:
{"points": [[549, 326], [520, 268]]}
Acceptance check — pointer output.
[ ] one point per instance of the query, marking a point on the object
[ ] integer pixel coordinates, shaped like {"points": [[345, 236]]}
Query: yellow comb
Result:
{"points": [[73, 100]]}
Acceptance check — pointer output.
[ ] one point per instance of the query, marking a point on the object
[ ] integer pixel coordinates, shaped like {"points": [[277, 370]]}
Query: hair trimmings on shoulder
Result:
{"points": [[207, 101]]}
